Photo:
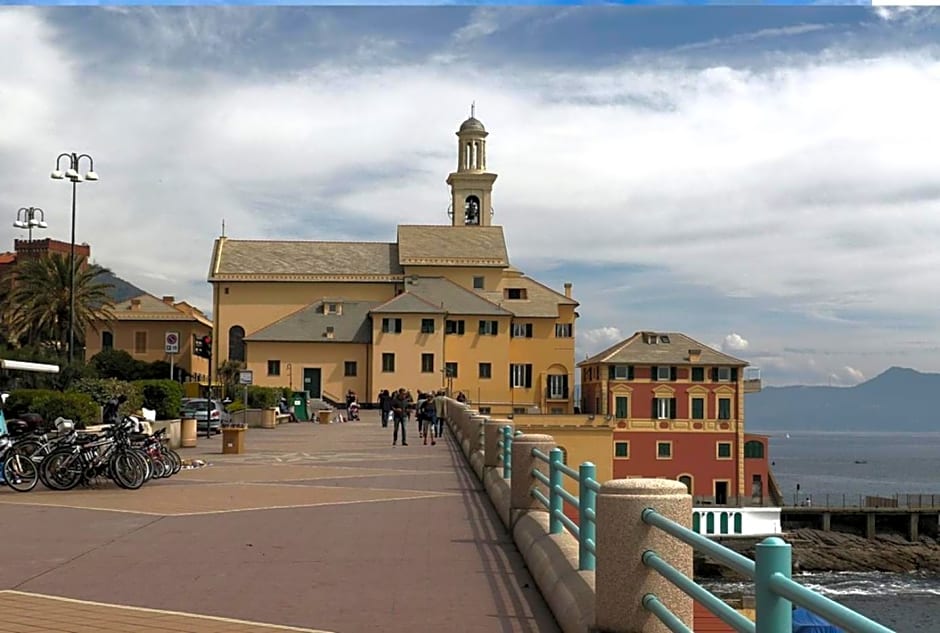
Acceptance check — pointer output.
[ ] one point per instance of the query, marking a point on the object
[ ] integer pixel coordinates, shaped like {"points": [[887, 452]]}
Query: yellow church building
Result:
{"points": [[440, 307]]}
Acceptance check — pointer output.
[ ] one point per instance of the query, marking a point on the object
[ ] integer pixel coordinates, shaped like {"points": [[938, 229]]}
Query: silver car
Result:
{"points": [[198, 408]]}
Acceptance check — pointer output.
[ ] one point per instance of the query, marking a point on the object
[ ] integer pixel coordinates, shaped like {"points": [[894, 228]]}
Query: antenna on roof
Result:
{"points": [[223, 227], [473, 109]]}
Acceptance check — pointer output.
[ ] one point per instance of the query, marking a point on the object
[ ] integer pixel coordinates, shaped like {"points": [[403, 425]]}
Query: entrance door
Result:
{"points": [[312, 381], [757, 489], [721, 493]]}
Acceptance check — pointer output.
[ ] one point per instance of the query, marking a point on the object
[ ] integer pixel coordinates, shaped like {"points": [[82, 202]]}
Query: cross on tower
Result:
{"points": [[473, 109]]}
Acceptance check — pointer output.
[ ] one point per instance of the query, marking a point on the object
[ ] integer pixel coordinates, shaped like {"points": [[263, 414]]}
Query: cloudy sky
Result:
{"points": [[766, 180]]}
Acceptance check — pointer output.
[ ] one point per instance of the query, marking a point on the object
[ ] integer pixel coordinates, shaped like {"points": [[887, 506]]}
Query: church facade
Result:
{"points": [[440, 307]]}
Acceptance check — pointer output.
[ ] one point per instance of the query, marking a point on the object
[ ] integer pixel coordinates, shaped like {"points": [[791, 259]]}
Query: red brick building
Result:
{"points": [[678, 408], [31, 249]]}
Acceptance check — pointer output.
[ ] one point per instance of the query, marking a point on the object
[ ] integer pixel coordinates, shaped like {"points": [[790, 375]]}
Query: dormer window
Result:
{"points": [[664, 339], [329, 331], [515, 293], [332, 308]]}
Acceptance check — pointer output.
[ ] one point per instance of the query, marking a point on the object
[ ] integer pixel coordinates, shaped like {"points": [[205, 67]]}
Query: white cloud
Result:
{"points": [[855, 375], [591, 341], [809, 185], [734, 342]]}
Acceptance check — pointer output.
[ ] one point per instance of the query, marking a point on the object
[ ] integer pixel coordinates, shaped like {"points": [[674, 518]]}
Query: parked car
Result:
{"points": [[198, 408]]}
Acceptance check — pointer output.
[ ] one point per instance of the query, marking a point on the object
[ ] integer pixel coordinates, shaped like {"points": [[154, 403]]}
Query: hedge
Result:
{"points": [[263, 397], [103, 389], [50, 404], [164, 396]]}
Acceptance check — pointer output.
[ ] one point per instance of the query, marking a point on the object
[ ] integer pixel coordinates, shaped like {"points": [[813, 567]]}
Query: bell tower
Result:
{"points": [[471, 186]]}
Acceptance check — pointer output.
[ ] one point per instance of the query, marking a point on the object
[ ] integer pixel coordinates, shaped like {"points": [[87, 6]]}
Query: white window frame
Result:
{"points": [[518, 330], [621, 375], [662, 408], [556, 386], [724, 374], [517, 375], [563, 330], [659, 373]]}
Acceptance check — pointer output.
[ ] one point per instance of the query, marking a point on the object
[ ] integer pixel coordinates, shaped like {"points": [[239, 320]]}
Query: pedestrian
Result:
{"points": [[440, 402], [430, 426], [399, 408], [385, 404]]}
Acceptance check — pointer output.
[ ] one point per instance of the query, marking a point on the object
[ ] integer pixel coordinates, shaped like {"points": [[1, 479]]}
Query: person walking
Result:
{"points": [[439, 403], [399, 407], [385, 404], [430, 426]]}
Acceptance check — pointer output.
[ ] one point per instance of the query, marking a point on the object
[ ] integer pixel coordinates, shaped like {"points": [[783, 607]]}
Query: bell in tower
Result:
{"points": [[471, 185]]}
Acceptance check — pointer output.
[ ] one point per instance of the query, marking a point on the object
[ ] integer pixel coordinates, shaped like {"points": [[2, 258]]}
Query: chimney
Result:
{"points": [[168, 299], [135, 304], [568, 289], [694, 355]]}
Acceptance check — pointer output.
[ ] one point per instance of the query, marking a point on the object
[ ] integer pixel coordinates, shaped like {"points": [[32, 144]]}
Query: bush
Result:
{"points": [[162, 395], [116, 363], [263, 397], [103, 389], [52, 404]]}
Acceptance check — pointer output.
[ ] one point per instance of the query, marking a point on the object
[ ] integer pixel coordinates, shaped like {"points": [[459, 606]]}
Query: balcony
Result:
{"points": [[556, 394], [752, 382]]}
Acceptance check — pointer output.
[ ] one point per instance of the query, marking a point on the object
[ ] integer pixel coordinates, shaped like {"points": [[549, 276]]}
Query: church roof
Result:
{"points": [[454, 299], [671, 348], [472, 124], [310, 325], [289, 260], [540, 301], [428, 245], [408, 303]]}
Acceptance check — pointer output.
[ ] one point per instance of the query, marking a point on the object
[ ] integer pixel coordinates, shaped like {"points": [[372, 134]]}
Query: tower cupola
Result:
{"points": [[471, 185]]}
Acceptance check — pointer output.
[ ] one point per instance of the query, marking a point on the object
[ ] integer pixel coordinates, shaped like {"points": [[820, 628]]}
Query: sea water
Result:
{"points": [[850, 465]]}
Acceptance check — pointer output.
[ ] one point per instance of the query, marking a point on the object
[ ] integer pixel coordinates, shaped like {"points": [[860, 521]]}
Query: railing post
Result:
{"points": [[621, 579], [587, 506], [774, 614], [492, 431], [556, 480], [522, 481], [507, 452]]}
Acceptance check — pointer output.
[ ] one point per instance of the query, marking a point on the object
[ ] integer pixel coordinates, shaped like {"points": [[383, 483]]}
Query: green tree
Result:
{"points": [[39, 300]]}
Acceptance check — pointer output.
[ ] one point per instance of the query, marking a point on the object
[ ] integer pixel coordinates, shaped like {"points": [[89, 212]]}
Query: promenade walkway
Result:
{"points": [[319, 528]]}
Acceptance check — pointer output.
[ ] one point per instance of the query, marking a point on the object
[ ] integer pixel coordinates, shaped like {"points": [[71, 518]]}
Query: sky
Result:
{"points": [[763, 179]]}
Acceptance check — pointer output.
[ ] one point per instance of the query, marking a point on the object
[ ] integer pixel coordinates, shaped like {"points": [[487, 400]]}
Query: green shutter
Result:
{"points": [[653, 373], [610, 372], [495, 328], [734, 374], [528, 374], [482, 327], [673, 374], [672, 408], [629, 372]]}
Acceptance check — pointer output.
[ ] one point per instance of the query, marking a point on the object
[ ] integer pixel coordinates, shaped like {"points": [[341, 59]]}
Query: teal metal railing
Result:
{"points": [[775, 591], [584, 531]]}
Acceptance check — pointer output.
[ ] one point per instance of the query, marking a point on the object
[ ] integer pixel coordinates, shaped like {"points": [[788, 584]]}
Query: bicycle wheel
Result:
{"points": [[174, 459], [128, 469], [20, 473], [61, 469]]}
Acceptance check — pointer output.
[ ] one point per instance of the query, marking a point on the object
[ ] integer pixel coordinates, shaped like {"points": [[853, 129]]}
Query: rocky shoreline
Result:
{"points": [[816, 550]]}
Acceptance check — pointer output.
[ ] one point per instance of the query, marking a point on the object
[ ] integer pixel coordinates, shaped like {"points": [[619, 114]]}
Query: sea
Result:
{"points": [[842, 467]]}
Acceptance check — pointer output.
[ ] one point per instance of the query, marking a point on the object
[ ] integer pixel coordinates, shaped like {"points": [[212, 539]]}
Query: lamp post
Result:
{"points": [[30, 218], [72, 174]]}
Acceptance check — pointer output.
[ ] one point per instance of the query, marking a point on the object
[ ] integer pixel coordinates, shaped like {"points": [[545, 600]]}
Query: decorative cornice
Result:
{"points": [[453, 261], [284, 277]]}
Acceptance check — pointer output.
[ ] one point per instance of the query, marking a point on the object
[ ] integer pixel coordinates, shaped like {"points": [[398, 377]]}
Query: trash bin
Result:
{"points": [[268, 418], [300, 406], [324, 415], [188, 433], [233, 439]]}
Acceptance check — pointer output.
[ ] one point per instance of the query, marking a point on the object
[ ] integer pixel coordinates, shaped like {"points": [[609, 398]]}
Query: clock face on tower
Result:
{"points": [[471, 212]]}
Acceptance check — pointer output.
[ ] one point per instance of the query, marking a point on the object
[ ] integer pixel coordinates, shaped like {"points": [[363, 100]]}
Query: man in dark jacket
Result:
{"points": [[399, 405]]}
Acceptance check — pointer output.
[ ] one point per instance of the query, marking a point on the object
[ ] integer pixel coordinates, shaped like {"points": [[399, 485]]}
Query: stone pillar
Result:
{"points": [[492, 430], [827, 521], [870, 530], [621, 578], [476, 433], [522, 483], [913, 532]]}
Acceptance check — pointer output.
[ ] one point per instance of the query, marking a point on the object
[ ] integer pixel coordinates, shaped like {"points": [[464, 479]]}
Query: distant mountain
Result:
{"points": [[120, 290], [900, 399]]}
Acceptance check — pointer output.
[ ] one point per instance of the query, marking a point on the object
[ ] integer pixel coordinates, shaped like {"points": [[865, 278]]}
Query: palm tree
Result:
{"points": [[39, 300]]}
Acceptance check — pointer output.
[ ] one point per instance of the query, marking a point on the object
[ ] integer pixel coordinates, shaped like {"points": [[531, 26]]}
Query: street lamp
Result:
{"points": [[30, 218], [72, 174]]}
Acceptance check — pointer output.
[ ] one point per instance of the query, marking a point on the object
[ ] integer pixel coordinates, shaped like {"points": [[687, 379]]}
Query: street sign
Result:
{"points": [[172, 342], [244, 377]]}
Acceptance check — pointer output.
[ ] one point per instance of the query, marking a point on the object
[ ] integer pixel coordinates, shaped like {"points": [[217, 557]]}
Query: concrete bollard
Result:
{"points": [[522, 483], [622, 580], [492, 431], [475, 434]]}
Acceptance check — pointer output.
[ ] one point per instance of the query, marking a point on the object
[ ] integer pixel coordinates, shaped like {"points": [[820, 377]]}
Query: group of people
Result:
{"points": [[428, 408]]}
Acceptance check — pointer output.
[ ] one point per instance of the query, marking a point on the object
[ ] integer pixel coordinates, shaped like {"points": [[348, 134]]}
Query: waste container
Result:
{"points": [[233, 439], [299, 404], [324, 415], [188, 433], [268, 418]]}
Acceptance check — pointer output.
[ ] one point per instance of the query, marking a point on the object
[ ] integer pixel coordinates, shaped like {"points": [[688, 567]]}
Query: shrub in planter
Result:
{"points": [[103, 389], [164, 396], [53, 404], [263, 397]]}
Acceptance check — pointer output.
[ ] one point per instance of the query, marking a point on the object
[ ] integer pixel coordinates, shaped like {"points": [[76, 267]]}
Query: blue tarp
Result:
{"points": [[806, 622]]}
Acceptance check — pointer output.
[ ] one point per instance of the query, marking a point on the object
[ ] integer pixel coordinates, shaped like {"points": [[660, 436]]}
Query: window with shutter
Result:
{"points": [[629, 372], [672, 408], [611, 372], [724, 408], [734, 374], [673, 374], [654, 373], [698, 408], [621, 407], [698, 374], [664, 373]]}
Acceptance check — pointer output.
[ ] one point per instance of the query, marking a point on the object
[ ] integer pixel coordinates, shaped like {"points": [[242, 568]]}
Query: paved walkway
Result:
{"points": [[319, 528]]}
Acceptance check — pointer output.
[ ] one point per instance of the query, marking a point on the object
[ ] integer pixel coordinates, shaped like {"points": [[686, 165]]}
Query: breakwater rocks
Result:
{"points": [[816, 550]]}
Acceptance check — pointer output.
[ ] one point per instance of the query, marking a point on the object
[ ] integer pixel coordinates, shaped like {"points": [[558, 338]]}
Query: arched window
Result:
{"points": [[472, 210], [753, 450], [236, 343], [687, 480], [107, 340]]}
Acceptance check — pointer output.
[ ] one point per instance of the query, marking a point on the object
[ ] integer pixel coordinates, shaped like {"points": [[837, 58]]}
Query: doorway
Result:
{"points": [[312, 381], [757, 489], [721, 493]]}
